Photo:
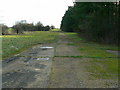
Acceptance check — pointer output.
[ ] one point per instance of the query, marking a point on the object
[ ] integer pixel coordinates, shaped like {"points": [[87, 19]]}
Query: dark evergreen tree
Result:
{"points": [[94, 21]]}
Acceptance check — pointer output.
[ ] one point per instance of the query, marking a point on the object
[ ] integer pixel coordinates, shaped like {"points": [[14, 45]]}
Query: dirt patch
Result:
{"points": [[63, 49], [67, 73], [72, 73]]}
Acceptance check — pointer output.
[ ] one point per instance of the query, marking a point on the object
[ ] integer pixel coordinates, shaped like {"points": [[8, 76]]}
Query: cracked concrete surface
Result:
{"points": [[38, 68], [30, 69]]}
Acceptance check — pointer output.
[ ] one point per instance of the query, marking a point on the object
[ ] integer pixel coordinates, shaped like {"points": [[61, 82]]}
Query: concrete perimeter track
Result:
{"points": [[44, 66]]}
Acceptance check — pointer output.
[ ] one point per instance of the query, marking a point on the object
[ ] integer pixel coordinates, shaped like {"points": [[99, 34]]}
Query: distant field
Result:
{"points": [[13, 44], [55, 30]]}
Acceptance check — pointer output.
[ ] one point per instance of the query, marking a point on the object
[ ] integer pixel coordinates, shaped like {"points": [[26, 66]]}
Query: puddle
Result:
{"points": [[37, 69], [43, 58], [113, 52], [46, 47]]}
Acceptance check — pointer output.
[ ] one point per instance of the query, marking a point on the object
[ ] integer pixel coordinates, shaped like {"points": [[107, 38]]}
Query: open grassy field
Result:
{"points": [[101, 64], [13, 44]]}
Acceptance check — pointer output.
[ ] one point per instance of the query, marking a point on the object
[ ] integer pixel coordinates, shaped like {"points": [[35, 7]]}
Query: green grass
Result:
{"points": [[71, 44], [90, 48], [86, 57], [55, 30], [103, 68], [102, 64], [13, 44]]}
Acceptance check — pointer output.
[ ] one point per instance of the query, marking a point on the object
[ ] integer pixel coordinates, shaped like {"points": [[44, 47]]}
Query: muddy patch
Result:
{"points": [[10, 59]]}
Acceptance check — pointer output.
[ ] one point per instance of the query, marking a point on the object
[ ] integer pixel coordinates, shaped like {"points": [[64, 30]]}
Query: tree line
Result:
{"points": [[22, 26], [94, 21]]}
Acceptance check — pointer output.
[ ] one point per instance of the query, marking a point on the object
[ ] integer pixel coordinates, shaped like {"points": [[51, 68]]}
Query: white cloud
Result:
{"points": [[47, 11]]}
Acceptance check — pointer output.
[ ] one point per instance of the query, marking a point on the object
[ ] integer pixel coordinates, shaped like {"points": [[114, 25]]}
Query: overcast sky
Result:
{"points": [[49, 12]]}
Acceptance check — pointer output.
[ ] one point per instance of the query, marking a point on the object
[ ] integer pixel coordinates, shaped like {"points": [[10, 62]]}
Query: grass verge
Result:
{"points": [[103, 65], [13, 44]]}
